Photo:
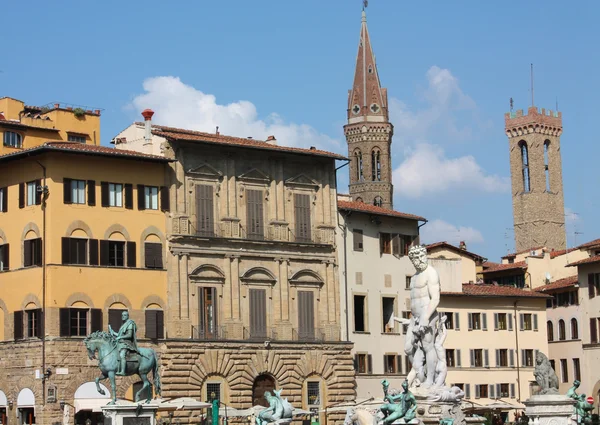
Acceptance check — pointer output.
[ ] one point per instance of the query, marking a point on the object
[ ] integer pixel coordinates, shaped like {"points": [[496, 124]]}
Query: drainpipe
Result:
{"points": [[517, 354], [419, 230], [345, 235]]}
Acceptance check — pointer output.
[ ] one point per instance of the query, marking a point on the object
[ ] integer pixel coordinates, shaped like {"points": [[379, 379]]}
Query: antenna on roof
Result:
{"points": [[217, 131], [512, 103], [556, 103], [532, 102]]}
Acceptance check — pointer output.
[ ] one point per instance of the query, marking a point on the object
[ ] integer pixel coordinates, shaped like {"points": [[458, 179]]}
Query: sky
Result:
{"points": [[284, 68]]}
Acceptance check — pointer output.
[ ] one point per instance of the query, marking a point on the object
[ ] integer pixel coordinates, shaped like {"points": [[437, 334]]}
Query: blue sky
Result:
{"points": [[284, 68]]}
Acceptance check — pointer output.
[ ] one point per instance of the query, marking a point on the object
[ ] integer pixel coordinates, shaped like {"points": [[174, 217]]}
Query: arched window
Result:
{"points": [[550, 328], [359, 166], [115, 315], [376, 165], [12, 139], [562, 334], [262, 383], [153, 252], [525, 166], [155, 322], [378, 201], [359, 199], [546, 164], [574, 329]]}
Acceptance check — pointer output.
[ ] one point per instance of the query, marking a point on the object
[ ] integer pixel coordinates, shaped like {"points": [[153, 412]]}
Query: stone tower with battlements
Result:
{"points": [[536, 176], [369, 131]]}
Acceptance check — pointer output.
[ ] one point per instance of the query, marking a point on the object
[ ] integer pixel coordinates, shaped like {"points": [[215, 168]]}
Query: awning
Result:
{"points": [[183, 403], [92, 404], [3, 402], [26, 398]]}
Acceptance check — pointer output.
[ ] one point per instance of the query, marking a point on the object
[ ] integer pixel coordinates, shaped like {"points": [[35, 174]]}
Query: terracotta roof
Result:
{"points": [[555, 254], [451, 247], [502, 267], [514, 254], [198, 136], [589, 244], [12, 123], [590, 260], [82, 148], [372, 209], [484, 290], [566, 282]]}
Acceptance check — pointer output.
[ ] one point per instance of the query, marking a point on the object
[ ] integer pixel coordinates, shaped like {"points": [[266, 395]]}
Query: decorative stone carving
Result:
{"points": [[544, 375]]}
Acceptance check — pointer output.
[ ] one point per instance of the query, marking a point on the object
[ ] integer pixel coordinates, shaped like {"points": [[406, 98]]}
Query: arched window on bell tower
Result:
{"points": [[378, 202], [359, 165], [376, 165], [546, 164], [525, 166]]}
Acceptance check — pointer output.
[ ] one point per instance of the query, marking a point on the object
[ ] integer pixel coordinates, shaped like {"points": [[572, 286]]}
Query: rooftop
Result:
{"points": [[589, 244], [451, 247], [554, 254], [81, 148], [503, 267], [372, 209], [181, 134], [485, 290], [514, 254], [594, 259], [566, 282]]}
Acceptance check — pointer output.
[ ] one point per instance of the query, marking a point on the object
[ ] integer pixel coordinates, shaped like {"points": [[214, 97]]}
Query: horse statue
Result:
{"points": [[357, 416], [105, 348]]}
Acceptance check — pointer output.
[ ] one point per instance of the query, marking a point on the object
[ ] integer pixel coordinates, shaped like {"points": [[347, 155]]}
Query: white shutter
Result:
{"points": [[512, 390], [522, 321], [467, 390], [495, 321], [510, 322], [470, 321], [491, 391], [535, 322], [458, 362], [472, 353], [456, 321], [512, 357], [476, 391], [486, 358], [484, 319], [497, 358]]}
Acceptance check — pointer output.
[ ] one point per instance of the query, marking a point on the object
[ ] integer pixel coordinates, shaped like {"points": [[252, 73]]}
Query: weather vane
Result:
{"points": [[365, 4]]}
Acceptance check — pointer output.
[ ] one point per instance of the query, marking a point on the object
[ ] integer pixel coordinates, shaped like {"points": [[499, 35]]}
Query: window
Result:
{"points": [[475, 321], [477, 357], [565, 299], [390, 364], [76, 138], [553, 364], [115, 318], [113, 253], [378, 201], [526, 324], [78, 325], [151, 197], [74, 321], [407, 282], [449, 319], [153, 255], [306, 315], [155, 324], [357, 237], [313, 393], [396, 244], [564, 371], [360, 324], [363, 363], [78, 191], [26, 416], [375, 166], [550, 330], [255, 214], [31, 193], [483, 391], [574, 329], [562, 334], [385, 243], [34, 323], [501, 321], [593, 330], [205, 225], [4, 258], [302, 216], [405, 315], [450, 358], [12, 139], [503, 393], [213, 391], [116, 253], [3, 199], [74, 251], [576, 369], [527, 358], [115, 195], [32, 252], [359, 166], [593, 284], [207, 313], [525, 166], [546, 164], [502, 358], [387, 309]]}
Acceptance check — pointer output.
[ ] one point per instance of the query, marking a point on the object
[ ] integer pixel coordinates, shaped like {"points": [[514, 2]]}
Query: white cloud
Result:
{"points": [[439, 230], [179, 105], [426, 170]]}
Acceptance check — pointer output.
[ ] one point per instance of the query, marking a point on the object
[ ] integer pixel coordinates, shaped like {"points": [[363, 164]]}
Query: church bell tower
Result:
{"points": [[369, 131]]}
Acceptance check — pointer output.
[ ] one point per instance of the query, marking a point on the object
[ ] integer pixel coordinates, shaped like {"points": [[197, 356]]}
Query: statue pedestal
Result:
{"points": [[550, 409], [432, 412], [128, 413]]}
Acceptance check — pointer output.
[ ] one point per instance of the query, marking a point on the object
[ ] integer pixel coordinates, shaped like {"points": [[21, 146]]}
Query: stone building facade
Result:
{"points": [[536, 176], [253, 289], [369, 131]]}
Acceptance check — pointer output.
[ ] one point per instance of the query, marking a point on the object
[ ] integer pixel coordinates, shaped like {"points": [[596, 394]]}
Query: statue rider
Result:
{"points": [[126, 341], [401, 406]]}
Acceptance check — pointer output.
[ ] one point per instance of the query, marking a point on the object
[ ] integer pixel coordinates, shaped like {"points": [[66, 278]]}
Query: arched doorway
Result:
{"points": [[26, 407], [88, 404], [3, 404], [261, 384]]}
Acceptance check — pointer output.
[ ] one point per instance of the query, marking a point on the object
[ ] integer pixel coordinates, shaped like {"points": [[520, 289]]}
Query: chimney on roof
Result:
{"points": [[272, 140], [147, 114], [463, 245], [312, 148], [250, 137], [217, 131], [2, 118]]}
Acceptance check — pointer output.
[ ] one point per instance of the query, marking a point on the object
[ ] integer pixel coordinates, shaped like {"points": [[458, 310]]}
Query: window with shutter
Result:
{"points": [[96, 320], [255, 214], [302, 217], [591, 286], [458, 359], [258, 313], [164, 199], [510, 322], [67, 191], [151, 322], [357, 237], [64, 322], [129, 196], [32, 252], [18, 324], [4, 257], [141, 199], [396, 245], [131, 254], [484, 321], [104, 194], [153, 255], [456, 321], [593, 331], [207, 313], [4, 199], [205, 210], [21, 195], [369, 363], [93, 252], [115, 319], [91, 192], [306, 315]]}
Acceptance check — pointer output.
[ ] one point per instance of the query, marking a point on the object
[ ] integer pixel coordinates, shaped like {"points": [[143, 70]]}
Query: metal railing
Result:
{"points": [[218, 333]]}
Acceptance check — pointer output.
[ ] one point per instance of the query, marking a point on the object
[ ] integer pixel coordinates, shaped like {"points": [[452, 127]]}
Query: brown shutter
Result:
{"points": [[381, 244], [254, 216], [21, 195], [93, 252], [129, 196], [153, 255], [39, 323], [6, 256], [27, 260], [5, 199], [65, 321], [114, 319], [204, 210], [396, 245], [151, 331], [38, 193], [399, 364], [357, 235], [593, 331], [104, 251], [369, 364], [302, 215], [66, 250], [104, 196], [160, 323], [67, 198], [258, 313], [164, 201], [131, 254], [306, 315], [37, 252], [96, 319], [91, 193], [591, 288], [18, 324], [141, 197]]}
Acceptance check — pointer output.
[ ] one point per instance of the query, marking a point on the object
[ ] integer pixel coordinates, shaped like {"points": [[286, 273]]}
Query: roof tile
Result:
{"points": [[485, 290], [565, 282], [372, 209], [509, 266], [449, 246], [590, 260]]}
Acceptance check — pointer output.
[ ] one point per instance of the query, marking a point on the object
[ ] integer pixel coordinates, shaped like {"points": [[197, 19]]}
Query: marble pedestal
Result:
{"points": [[431, 412], [550, 409], [130, 414]]}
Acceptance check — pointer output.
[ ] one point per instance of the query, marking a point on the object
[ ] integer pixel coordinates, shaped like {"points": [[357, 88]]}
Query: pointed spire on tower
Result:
{"points": [[366, 98]]}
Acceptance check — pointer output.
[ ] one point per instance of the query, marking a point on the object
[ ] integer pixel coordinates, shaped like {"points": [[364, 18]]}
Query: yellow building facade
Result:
{"points": [[23, 126], [82, 237]]}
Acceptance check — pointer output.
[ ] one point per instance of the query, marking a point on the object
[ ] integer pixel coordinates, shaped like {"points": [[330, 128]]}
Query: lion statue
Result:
{"points": [[544, 375]]}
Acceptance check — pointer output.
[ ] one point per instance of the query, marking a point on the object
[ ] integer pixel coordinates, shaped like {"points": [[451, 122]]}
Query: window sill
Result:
{"points": [[391, 333], [362, 332], [106, 267]]}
